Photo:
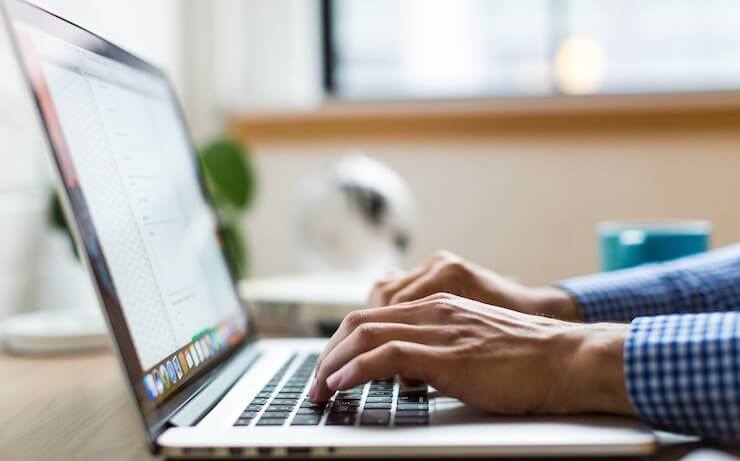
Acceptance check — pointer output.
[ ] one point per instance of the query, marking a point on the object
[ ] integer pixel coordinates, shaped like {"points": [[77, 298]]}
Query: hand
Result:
{"points": [[492, 358], [447, 273]]}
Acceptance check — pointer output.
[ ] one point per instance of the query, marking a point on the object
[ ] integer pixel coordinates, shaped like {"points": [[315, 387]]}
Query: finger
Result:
{"points": [[410, 360], [384, 289], [368, 337], [408, 382], [427, 284], [414, 312]]}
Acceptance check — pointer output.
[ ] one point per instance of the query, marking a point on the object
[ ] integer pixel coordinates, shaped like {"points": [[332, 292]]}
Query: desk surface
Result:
{"points": [[78, 408], [67, 409]]}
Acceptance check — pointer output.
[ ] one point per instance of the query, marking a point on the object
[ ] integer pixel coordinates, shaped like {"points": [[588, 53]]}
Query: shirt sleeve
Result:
{"points": [[702, 283], [683, 373]]}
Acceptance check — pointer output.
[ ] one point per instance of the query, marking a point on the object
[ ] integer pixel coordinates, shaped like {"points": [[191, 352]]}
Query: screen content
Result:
{"points": [[132, 161]]}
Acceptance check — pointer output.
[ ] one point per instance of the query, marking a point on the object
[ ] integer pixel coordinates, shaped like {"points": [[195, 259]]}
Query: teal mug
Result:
{"points": [[625, 244]]}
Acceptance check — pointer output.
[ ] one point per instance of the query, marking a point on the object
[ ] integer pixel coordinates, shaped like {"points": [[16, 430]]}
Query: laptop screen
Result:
{"points": [[130, 175]]}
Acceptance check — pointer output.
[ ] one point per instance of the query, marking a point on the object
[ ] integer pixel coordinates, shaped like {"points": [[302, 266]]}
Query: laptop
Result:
{"points": [[202, 383]]}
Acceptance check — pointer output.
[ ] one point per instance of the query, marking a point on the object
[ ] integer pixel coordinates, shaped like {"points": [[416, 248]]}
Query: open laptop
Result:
{"points": [[203, 385]]}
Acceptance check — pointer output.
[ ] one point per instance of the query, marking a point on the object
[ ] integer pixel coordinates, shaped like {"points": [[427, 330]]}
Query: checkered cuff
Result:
{"points": [[702, 283], [683, 373]]}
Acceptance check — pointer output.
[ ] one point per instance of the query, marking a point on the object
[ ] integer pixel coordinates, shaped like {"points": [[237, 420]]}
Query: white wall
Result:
{"points": [[526, 206], [246, 55]]}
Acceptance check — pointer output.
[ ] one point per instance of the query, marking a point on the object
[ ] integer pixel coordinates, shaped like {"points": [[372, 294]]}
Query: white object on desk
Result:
{"points": [[54, 331], [296, 304]]}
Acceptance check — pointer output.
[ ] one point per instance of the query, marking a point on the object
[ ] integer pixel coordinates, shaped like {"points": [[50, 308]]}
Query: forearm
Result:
{"points": [[703, 283]]}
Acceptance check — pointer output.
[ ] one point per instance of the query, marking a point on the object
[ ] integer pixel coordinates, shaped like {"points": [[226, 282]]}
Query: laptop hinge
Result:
{"points": [[200, 404]]}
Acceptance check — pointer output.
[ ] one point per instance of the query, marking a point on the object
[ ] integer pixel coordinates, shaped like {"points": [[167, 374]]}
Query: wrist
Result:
{"points": [[593, 379], [555, 302]]}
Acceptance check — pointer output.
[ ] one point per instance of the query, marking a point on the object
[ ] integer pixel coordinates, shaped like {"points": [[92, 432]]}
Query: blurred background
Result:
{"points": [[517, 125]]}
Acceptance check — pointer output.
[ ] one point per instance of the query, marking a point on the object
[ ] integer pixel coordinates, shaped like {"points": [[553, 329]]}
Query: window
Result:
{"points": [[407, 49]]}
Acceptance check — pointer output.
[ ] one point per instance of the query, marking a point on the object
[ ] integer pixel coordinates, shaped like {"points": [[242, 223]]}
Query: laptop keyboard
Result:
{"points": [[377, 403]]}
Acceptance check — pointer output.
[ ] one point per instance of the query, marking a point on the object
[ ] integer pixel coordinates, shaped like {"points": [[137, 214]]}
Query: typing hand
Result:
{"points": [[448, 273], [493, 358]]}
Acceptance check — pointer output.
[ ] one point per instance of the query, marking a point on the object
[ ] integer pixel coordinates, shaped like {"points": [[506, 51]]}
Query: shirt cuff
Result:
{"points": [[622, 295], [683, 373]]}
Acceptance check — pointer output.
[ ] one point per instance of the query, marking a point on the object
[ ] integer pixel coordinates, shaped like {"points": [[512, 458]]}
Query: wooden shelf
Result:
{"points": [[367, 120]]}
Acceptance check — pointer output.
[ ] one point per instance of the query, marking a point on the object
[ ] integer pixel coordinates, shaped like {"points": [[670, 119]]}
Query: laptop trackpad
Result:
{"points": [[452, 412], [448, 410]]}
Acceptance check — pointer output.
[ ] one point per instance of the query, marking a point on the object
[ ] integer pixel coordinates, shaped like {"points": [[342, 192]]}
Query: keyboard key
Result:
{"points": [[388, 399], [414, 421], [258, 401], [347, 403], [388, 393], [342, 409], [249, 414], [243, 422], [351, 392], [274, 408], [340, 420], [284, 401], [254, 407], [270, 422], [296, 389], [288, 395], [412, 399], [378, 406], [411, 406], [349, 396], [310, 411], [310, 404], [375, 418], [276, 414], [412, 413], [306, 420]]}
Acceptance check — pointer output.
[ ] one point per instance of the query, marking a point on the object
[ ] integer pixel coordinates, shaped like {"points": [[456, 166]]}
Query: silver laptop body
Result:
{"points": [[202, 384]]}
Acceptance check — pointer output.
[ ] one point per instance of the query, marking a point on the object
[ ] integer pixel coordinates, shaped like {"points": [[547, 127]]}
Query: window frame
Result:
{"points": [[671, 98]]}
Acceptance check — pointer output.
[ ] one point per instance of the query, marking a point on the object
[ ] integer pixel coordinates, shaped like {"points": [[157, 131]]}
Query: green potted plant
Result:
{"points": [[231, 182]]}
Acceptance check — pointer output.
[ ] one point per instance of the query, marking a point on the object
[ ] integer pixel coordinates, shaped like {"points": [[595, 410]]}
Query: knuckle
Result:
{"points": [[440, 297], [396, 350], [378, 285], [444, 307], [384, 294], [454, 268], [366, 332], [353, 320]]}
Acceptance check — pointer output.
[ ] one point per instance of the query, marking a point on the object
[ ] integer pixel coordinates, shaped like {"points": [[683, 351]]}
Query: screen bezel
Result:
{"points": [[154, 416]]}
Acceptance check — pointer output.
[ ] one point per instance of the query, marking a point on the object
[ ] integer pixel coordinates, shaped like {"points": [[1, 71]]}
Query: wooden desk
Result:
{"points": [[78, 408], [67, 408]]}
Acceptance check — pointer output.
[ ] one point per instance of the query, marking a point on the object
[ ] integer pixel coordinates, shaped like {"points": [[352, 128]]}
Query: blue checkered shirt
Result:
{"points": [[682, 356]]}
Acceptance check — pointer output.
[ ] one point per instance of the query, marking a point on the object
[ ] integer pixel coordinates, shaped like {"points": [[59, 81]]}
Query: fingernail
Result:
{"points": [[334, 380]]}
